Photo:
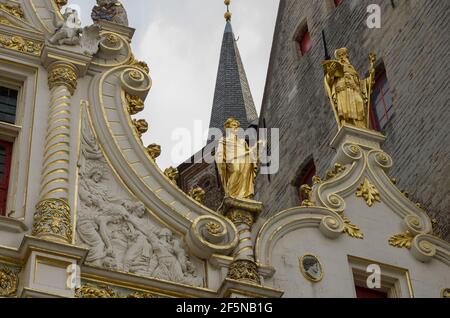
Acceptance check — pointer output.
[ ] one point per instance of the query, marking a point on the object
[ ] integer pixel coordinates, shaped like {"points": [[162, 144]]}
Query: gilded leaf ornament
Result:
{"points": [[352, 230], [368, 192], [403, 240], [14, 10], [18, 43]]}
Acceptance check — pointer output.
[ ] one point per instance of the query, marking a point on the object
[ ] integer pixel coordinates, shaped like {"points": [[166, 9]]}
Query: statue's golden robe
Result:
{"points": [[237, 165]]}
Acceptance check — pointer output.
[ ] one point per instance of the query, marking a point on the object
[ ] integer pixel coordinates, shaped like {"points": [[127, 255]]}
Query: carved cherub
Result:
{"points": [[67, 31]]}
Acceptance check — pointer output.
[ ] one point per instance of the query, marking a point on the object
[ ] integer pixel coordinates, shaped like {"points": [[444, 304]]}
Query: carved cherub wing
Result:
{"points": [[91, 39]]}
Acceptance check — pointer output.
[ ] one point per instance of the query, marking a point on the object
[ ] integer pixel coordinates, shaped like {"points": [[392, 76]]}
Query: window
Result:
{"points": [[305, 177], [362, 292], [8, 107], [5, 166], [337, 2], [395, 282], [8, 104], [303, 40], [382, 106]]}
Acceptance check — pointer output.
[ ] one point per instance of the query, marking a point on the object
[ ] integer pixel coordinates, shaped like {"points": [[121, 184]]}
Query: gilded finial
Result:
{"points": [[228, 13]]}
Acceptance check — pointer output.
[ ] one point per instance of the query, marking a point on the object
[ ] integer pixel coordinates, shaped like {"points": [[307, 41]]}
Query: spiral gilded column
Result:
{"points": [[53, 219], [243, 214]]}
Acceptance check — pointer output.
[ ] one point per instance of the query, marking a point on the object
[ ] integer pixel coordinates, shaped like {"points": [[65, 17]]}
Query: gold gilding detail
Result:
{"points": [[173, 174], [368, 192], [403, 240], [139, 64], [52, 220], [198, 194], [241, 217], [20, 44], [154, 151], [214, 228], [141, 126], [63, 75], [244, 270], [60, 3], [135, 104], [8, 282], [349, 95], [307, 191], [338, 169], [104, 291], [14, 10], [352, 230]]}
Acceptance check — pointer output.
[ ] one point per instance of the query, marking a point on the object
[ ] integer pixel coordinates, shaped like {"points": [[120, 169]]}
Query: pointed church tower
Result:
{"points": [[232, 98]]}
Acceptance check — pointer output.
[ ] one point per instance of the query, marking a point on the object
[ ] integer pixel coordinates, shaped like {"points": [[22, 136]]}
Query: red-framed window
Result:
{"points": [[306, 177], [304, 41], [337, 2], [362, 292], [382, 108], [5, 167]]}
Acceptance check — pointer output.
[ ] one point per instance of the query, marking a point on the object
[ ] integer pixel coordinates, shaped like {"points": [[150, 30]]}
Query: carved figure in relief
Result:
{"points": [[67, 31], [118, 232]]}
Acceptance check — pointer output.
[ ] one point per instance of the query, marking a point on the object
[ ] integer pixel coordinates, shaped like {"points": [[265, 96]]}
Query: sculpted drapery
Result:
{"points": [[237, 163], [349, 95]]}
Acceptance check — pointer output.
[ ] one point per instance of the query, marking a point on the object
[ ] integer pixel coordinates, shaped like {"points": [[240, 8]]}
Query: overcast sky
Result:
{"points": [[180, 40]]}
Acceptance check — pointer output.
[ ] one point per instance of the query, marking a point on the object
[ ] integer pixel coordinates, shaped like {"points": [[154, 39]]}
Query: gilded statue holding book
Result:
{"points": [[349, 95]]}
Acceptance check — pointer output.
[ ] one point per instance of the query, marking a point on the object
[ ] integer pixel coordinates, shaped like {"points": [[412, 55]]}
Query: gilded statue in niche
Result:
{"points": [[349, 95], [118, 232], [237, 162]]}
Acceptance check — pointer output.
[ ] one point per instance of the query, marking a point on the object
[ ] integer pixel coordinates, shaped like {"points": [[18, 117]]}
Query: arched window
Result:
{"points": [[382, 108], [305, 176], [304, 41]]}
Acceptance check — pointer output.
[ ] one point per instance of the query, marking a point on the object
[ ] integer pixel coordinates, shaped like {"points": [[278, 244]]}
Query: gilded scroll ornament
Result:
{"points": [[53, 220], [403, 240], [173, 174], [348, 94], [154, 151], [368, 192], [8, 282], [214, 228], [244, 270], [14, 10], [18, 43], [141, 126], [198, 194], [63, 75], [352, 230], [135, 104]]}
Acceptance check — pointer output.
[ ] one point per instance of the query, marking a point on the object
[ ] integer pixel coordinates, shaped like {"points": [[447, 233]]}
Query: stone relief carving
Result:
{"points": [[118, 232], [69, 32], [110, 10]]}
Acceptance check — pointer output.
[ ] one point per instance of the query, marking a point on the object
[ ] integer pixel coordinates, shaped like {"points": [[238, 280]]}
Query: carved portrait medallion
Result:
{"points": [[311, 268]]}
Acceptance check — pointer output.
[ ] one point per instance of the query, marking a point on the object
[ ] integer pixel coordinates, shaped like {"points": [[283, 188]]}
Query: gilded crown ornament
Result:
{"points": [[350, 96], [228, 14]]}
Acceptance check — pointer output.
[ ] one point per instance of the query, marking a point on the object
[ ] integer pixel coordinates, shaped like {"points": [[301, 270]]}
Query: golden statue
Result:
{"points": [[349, 95], [237, 163]]}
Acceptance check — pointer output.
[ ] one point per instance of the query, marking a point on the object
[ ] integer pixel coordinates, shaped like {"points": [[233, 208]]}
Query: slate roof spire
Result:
{"points": [[232, 97]]}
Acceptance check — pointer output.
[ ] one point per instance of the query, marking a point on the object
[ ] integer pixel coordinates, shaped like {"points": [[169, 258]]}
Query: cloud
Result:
{"points": [[180, 40]]}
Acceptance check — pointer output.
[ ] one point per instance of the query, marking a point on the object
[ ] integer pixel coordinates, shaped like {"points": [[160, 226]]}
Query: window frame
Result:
{"points": [[4, 183], [298, 37]]}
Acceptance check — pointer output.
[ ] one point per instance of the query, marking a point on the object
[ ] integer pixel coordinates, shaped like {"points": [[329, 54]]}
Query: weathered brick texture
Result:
{"points": [[413, 44]]}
